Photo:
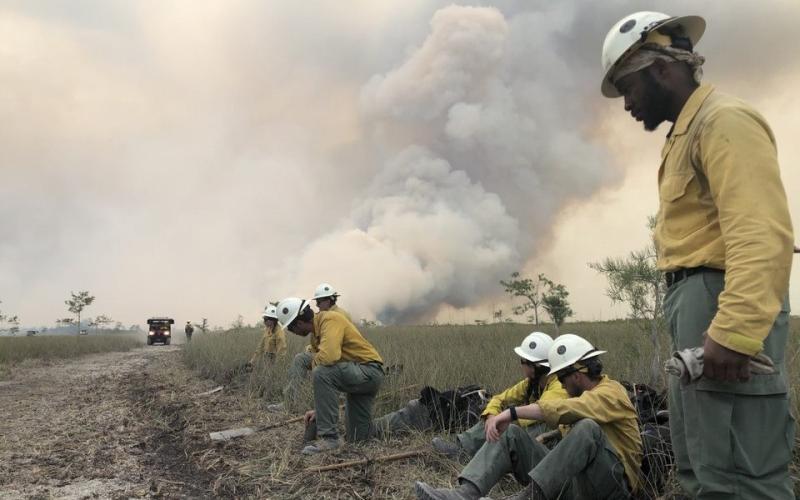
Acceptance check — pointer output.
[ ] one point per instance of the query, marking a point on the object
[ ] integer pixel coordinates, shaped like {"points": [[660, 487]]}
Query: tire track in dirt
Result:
{"points": [[82, 428]]}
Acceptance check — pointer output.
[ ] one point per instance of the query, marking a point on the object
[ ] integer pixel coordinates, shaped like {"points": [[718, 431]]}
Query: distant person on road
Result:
{"points": [[343, 361], [273, 342], [188, 330], [599, 456], [724, 241], [326, 297], [537, 385]]}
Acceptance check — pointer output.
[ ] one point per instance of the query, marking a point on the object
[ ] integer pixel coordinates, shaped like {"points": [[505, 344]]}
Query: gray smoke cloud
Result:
{"points": [[200, 159], [479, 176]]}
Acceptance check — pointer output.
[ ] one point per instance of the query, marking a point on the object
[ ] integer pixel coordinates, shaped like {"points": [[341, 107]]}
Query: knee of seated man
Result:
{"points": [[514, 431], [587, 426]]}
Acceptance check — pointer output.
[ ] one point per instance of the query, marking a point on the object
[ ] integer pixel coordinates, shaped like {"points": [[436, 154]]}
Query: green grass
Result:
{"points": [[445, 357], [17, 349]]}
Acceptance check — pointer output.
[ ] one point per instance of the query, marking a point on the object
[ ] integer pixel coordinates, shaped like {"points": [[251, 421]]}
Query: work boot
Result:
{"points": [[446, 448], [324, 444], [530, 492], [465, 491]]}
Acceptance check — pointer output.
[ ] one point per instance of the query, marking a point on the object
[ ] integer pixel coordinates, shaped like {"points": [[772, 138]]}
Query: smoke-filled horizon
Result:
{"points": [[200, 160]]}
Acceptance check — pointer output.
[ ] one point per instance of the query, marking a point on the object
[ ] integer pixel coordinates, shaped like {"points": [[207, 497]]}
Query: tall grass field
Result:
{"points": [[447, 357], [17, 349]]}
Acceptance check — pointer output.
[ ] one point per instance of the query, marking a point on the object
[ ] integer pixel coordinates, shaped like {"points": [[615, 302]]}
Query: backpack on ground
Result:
{"points": [[657, 456], [455, 409]]}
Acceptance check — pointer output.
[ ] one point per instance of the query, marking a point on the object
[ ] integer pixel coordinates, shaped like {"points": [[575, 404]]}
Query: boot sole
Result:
{"points": [[422, 492]]}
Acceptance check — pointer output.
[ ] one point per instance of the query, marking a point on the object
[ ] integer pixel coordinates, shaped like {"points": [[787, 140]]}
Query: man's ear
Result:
{"points": [[660, 70]]}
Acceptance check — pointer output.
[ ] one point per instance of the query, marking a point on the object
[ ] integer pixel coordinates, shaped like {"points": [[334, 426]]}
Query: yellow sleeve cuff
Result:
{"points": [[736, 341]]}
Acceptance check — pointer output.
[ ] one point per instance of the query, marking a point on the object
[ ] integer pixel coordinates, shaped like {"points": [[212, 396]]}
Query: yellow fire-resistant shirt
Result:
{"points": [[722, 205], [607, 404], [272, 342], [518, 395], [313, 344], [340, 340], [336, 308]]}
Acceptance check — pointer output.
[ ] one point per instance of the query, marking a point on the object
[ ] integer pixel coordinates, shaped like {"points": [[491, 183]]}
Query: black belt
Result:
{"points": [[673, 277]]}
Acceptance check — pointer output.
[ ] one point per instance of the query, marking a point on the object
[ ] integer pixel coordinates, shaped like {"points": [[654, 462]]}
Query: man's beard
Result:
{"points": [[574, 392], [657, 99]]}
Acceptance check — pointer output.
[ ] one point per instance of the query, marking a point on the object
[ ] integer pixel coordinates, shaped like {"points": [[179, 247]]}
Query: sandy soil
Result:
{"points": [[78, 429]]}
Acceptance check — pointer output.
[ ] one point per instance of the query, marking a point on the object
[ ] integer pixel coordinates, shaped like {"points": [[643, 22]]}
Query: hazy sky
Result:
{"points": [[197, 159]]}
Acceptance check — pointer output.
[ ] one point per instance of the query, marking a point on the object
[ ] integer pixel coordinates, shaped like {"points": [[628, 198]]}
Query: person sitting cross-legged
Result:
{"points": [[536, 386], [598, 458]]}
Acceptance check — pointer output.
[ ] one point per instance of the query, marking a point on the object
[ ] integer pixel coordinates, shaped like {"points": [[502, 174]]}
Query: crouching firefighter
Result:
{"points": [[598, 458], [537, 385], [342, 362], [325, 296]]}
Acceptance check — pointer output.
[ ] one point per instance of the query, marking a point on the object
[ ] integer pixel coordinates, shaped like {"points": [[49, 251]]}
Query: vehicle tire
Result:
{"points": [[149, 341], [166, 342]]}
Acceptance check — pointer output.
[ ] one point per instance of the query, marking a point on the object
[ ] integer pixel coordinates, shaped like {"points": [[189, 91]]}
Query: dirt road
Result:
{"points": [[81, 429]]}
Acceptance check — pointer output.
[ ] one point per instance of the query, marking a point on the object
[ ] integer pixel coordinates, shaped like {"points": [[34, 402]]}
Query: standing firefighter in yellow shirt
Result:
{"points": [[599, 457], [724, 241], [273, 342], [536, 386], [343, 362]]}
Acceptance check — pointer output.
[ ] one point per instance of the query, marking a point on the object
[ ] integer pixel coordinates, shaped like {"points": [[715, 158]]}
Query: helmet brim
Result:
{"points": [[694, 26], [291, 318], [522, 354], [562, 366]]}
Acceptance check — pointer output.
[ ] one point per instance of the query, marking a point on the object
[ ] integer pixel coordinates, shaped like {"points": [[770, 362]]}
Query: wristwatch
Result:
{"points": [[513, 411]]}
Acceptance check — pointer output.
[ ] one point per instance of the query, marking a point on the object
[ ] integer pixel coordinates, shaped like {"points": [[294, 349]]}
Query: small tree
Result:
{"points": [[527, 288], [497, 315], [101, 321], [555, 303], [203, 325], [636, 281], [13, 322], [238, 324], [77, 303], [65, 321]]}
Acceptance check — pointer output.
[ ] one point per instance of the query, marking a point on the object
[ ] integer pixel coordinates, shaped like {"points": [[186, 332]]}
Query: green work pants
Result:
{"points": [[731, 440], [298, 373], [473, 438], [583, 465], [412, 417], [360, 382]]}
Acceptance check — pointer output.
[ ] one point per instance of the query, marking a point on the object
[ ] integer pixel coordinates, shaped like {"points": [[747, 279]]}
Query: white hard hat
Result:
{"points": [[567, 350], [633, 31], [288, 309], [535, 347], [271, 312], [324, 290]]}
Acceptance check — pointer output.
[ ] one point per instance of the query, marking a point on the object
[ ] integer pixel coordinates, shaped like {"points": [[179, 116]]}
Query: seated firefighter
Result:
{"points": [[325, 296], [342, 362], [536, 386], [273, 342], [598, 458]]}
